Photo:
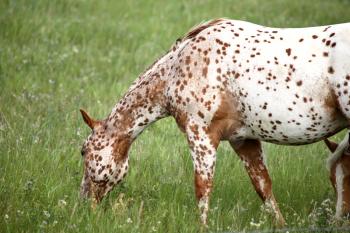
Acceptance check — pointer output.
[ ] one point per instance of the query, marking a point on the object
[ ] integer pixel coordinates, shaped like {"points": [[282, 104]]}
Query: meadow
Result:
{"points": [[58, 56]]}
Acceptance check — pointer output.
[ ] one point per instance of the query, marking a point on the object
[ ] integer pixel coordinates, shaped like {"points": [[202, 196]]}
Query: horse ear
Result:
{"points": [[88, 120], [332, 146]]}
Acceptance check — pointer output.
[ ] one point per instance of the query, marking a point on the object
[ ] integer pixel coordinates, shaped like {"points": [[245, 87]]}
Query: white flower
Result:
{"points": [[36, 140], [7, 216], [47, 214], [154, 229], [75, 49], [256, 224], [129, 220], [62, 203], [20, 212], [28, 185], [43, 224], [78, 132]]}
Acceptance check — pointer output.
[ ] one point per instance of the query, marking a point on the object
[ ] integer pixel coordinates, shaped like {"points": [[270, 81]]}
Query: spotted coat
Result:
{"points": [[236, 81]]}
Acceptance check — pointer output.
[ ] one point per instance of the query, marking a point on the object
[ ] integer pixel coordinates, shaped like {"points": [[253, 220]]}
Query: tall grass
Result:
{"points": [[58, 56]]}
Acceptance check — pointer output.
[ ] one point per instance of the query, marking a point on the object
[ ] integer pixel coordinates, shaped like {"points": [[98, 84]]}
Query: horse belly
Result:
{"points": [[290, 116]]}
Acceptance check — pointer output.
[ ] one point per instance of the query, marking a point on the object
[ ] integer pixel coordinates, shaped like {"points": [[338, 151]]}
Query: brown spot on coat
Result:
{"points": [[288, 51], [180, 118], [121, 147], [205, 71], [331, 102], [200, 114], [201, 185], [226, 120]]}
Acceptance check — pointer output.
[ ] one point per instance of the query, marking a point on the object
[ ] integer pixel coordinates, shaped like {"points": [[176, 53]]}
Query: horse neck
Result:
{"points": [[143, 104]]}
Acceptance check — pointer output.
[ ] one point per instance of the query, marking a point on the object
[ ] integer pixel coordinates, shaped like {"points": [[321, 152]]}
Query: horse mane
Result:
{"points": [[189, 35], [200, 27], [194, 31]]}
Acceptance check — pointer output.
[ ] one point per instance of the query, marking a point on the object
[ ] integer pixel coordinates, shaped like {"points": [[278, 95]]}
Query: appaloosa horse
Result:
{"points": [[236, 81]]}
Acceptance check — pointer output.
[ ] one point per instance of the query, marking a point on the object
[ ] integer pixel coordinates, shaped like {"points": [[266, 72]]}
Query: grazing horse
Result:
{"points": [[236, 81]]}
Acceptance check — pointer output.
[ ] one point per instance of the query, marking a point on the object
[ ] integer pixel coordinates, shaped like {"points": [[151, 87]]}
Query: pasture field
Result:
{"points": [[58, 56]]}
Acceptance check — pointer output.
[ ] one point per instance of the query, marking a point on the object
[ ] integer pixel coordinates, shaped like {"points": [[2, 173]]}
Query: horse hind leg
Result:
{"points": [[339, 162], [340, 178], [251, 154], [339, 166]]}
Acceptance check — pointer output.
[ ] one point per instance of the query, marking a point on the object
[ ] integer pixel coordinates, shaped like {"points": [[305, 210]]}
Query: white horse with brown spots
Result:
{"points": [[236, 81]]}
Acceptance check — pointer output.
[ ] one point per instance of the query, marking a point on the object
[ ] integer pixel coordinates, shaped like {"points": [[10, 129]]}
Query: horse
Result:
{"points": [[240, 82]]}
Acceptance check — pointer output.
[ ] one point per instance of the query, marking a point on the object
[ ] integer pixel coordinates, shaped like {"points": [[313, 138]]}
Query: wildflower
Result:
{"points": [[36, 140], [6, 217], [62, 203], [20, 212], [43, 224], [257, 224], [28, 185], [154, 228], [75, 49], [47, 214], [129, 220]]}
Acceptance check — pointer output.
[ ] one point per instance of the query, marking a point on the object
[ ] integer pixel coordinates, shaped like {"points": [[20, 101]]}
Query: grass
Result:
{"points": [[58, 56]]}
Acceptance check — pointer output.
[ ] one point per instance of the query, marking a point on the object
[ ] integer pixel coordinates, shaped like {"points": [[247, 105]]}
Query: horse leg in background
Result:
{"points": [[251, 154], [340, 177], [339, 164]]}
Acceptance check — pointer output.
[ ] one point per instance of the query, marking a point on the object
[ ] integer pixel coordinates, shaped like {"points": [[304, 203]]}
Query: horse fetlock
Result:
{"points": [[203, 205], [272, 208]]}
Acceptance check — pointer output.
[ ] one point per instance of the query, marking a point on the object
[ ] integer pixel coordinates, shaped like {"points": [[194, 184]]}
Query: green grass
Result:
{"points": [[58, 56]]}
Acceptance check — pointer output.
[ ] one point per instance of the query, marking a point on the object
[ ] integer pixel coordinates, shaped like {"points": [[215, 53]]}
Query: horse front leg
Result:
{"points": [[203, 152], [250, 152]]}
